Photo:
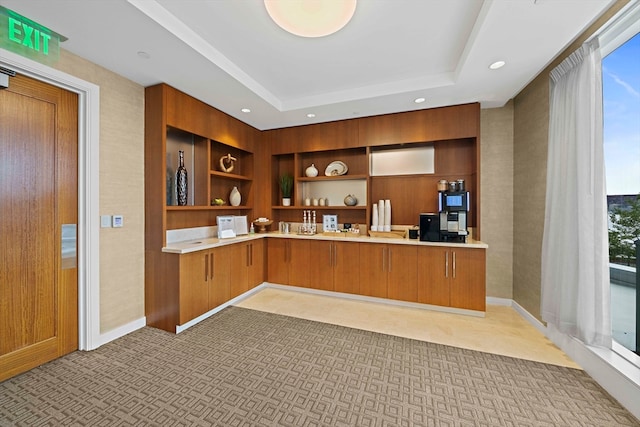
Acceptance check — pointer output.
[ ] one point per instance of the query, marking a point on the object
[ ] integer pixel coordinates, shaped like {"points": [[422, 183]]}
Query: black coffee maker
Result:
{"points": [[450, 223]]}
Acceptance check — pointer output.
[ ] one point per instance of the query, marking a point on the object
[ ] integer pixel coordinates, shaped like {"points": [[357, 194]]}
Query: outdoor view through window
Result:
{"points": [[621, 94]]}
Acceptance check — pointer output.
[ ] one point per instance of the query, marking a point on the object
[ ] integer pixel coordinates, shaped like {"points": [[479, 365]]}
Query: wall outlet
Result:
{"points": [[117, 221]]}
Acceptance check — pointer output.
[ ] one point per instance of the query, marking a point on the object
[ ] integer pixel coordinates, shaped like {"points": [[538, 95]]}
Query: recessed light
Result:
{"points": [[245, 110], [496, 65], [419, 100], [144, 55], [311, 115]]}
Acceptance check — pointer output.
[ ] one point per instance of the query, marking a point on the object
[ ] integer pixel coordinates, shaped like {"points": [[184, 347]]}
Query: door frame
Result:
{"points": [[88, 93]]}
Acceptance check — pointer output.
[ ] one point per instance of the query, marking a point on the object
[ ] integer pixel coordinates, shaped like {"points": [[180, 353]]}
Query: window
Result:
{"points": [[621, 97]]}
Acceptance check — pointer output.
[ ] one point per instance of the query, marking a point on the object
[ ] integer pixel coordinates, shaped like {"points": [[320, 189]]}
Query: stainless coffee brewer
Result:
{"points": [[453, 208]]}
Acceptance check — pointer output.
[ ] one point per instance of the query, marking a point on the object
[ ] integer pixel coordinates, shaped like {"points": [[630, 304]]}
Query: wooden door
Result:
{"points": [[298, 262], [373, 277], [320, 268], [220, 277], [256, 263], [346, 267], [468, 279], [278, 265], [402, 272], [433, 275], [238, 256], [38, 194], [194, 278]]}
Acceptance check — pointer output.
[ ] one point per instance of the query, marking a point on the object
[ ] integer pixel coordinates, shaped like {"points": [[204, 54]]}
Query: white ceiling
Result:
{"points": [[229, 54]]}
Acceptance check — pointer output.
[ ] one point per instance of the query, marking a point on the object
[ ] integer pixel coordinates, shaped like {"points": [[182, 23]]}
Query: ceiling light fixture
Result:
{"points": [[419, 100], [496, 65], [311, 115], [245, 110], [311, 18]]}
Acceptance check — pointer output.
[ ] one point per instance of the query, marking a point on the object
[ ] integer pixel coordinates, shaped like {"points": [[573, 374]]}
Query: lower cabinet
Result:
{"points": [[389, 271], [288, 261], [212, 277], [334, 266], [452, 277]]}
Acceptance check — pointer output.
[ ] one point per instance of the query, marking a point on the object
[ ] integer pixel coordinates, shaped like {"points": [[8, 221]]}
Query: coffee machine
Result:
{"points": [[453, 208]]}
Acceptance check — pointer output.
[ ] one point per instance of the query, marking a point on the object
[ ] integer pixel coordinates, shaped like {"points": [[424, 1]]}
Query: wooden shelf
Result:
{"points": [[232, 176], [206, 208], [331, 178], [320, 208]]}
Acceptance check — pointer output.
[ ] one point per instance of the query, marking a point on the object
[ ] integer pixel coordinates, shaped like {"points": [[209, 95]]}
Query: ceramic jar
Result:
{"points": [[235, 198], [311, 171]]}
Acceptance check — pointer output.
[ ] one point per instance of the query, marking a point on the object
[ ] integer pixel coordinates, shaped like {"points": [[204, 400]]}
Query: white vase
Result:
{"points": [[311, 171], [235, 198]]}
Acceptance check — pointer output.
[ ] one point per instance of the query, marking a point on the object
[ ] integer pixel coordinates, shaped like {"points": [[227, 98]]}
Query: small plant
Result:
{"points": [[286, 185]]}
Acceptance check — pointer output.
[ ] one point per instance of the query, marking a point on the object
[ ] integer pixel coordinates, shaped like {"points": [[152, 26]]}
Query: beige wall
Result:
{"points": [[121, 190], [496, 144], [531, 126]]}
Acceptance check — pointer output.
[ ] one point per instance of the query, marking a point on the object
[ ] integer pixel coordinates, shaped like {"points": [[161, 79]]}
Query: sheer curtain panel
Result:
{"points": [[575, 267]]}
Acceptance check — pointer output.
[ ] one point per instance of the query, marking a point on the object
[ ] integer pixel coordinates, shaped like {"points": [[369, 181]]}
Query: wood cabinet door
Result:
{"points": [[298, 262], [433, 275], [346, 267], [373, 275], [278, 265], [256, 263], [219, 277], [238, 259], [402, 272], [320, 268], [467, 278], [194, 292]]}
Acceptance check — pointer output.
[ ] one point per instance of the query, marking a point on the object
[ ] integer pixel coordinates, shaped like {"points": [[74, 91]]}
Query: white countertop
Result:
{"points": [[212, 242]]}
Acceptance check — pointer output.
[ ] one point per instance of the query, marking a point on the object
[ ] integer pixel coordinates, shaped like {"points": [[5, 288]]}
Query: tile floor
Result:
{"points": [[502, 331]]}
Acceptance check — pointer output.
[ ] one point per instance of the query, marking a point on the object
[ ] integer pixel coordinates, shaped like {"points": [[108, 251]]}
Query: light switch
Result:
{"points": [[117, 221], [105, 221]]}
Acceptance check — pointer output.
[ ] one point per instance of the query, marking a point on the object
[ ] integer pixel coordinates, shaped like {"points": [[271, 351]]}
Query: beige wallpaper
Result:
{"points": [[531, 126], [496, 143], [121, 190]]}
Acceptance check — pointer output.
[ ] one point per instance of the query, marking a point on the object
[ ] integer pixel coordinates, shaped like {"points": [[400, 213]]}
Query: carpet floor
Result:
{"points": [[245, 367]]}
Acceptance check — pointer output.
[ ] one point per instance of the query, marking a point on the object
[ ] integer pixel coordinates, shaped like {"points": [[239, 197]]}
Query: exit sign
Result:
{"points": [[28, 38]]}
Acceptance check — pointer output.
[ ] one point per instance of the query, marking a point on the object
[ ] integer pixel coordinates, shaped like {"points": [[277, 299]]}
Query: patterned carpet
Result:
{"points": [[244, 367]]}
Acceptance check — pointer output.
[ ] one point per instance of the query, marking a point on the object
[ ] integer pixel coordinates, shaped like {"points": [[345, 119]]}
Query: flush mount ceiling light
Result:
{"points": [[496, 65], [419, 100], [311, 18], [246, 110]]}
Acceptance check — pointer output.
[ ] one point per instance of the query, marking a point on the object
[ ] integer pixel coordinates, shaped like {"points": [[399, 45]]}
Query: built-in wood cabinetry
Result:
{"points": [[390, 272], [453, 132], [179, 288], [452, 277], [334, 266]]}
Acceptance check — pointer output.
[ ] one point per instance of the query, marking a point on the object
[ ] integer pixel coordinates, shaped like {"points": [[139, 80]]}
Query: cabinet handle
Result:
{"points": [[247, 262], [454, 265], [384, 253], [335, 254], [206, 267], [389, 257], [446, 264], [212, 265], [251, 254], [330, 254]]}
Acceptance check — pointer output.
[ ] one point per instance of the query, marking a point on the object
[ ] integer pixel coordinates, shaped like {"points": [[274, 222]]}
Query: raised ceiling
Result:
{"points": [[231, 55]]}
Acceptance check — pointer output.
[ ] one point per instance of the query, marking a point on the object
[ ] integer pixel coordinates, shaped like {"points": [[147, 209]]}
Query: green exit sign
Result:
{"points": [[28, 38]]}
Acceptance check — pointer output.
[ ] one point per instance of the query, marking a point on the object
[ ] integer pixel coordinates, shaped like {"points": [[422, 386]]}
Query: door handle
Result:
{"points": [[454, 265], [446, 264], [212, 265], [206, 267]]}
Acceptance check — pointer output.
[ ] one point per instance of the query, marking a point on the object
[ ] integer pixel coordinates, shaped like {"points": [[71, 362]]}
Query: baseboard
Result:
{"points": [[619, 377], [385, 301], [122, 331]]}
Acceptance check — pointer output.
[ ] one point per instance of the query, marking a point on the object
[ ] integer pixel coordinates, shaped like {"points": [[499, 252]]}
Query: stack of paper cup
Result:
{"points": [[374, 218], [387, 215]]}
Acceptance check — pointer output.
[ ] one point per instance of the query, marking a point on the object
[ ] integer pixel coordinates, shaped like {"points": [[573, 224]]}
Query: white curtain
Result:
{"points": [[575, 245]]}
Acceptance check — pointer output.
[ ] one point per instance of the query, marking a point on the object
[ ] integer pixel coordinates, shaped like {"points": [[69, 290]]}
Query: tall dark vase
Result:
{"points": [[181, 181]]}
